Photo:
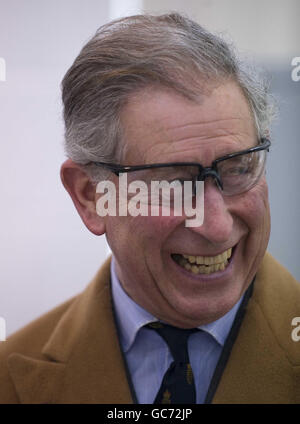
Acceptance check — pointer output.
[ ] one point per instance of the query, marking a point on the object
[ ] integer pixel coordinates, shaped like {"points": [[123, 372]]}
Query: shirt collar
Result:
{"points": [[131, 317]]}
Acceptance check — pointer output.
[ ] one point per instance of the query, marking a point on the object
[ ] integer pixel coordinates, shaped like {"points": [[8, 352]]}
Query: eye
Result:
{"points": [[235, 171]]}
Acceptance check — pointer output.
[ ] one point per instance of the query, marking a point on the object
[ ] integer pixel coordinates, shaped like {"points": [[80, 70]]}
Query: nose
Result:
{"points": [[218, 222]]}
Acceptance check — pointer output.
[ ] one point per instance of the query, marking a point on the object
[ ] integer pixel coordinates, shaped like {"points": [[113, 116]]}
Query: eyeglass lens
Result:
{"points": [[237, 174]]}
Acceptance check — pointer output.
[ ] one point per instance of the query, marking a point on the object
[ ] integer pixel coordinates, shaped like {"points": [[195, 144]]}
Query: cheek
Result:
{"points": [[160, 227], [142, 234]]}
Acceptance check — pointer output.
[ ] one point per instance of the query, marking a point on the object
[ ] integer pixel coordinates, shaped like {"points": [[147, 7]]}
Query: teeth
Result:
{"points": [[188, 266], [202, 269], [209, 260], [195, 269], [204, 264]]}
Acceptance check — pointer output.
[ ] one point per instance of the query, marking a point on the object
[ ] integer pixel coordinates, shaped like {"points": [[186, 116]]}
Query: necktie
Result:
{"points": [[178, 382]]}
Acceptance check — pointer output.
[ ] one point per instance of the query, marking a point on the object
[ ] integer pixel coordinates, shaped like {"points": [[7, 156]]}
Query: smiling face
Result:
{"points": [[161, 126]]}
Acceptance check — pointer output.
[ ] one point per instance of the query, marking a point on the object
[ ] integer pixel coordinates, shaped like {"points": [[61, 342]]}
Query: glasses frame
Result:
{"points": [[204, 171]]}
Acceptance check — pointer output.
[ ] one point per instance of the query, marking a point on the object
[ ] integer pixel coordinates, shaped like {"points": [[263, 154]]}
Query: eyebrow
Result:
{"points": [[263, 144]]}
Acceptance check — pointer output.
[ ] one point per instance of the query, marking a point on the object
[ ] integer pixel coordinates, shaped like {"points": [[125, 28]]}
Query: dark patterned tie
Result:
{"points": [[178, 383]]}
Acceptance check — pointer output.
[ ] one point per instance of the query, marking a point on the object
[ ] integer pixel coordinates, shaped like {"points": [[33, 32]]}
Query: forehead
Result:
{"points": [[160, 125]]}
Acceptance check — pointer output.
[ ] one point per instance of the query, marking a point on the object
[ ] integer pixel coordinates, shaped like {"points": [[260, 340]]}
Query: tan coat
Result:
{"points": [[72, 354]]}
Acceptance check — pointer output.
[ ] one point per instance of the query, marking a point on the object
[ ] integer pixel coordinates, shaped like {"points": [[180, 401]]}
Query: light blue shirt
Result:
{"points": [[148, 356]]}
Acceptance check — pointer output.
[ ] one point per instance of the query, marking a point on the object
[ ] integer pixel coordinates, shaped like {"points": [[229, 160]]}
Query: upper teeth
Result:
{"points": [[209, 260]]}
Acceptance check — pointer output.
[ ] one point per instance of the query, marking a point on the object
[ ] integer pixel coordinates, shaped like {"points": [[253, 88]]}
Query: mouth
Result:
{"points": [[204, 264]]}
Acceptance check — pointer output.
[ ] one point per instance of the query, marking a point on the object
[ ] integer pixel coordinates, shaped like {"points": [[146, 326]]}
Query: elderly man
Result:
{"points": [[180, 314]]}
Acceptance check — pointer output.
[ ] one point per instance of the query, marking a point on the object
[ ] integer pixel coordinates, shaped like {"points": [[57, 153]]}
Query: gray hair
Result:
{"points": [[135, 52]]}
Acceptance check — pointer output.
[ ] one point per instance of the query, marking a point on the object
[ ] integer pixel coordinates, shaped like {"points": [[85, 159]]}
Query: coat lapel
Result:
{"points": [[259, 369], [82, 361]]}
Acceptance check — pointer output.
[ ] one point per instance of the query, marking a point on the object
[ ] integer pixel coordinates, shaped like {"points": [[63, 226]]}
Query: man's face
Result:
{"points": [[160, 127]]}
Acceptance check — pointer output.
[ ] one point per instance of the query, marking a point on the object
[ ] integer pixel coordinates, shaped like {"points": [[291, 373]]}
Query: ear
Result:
{"points": [[83, 193]]}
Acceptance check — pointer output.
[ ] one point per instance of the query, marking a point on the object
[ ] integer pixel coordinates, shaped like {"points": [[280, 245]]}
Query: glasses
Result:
{"points": [[234, 173]]}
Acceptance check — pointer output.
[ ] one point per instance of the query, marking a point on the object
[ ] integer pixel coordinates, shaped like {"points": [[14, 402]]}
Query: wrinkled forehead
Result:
{"points": [[160, 125]]}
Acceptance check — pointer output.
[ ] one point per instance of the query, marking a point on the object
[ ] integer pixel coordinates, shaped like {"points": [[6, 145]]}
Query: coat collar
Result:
{"points": [[263, 366], [82, 361]]}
